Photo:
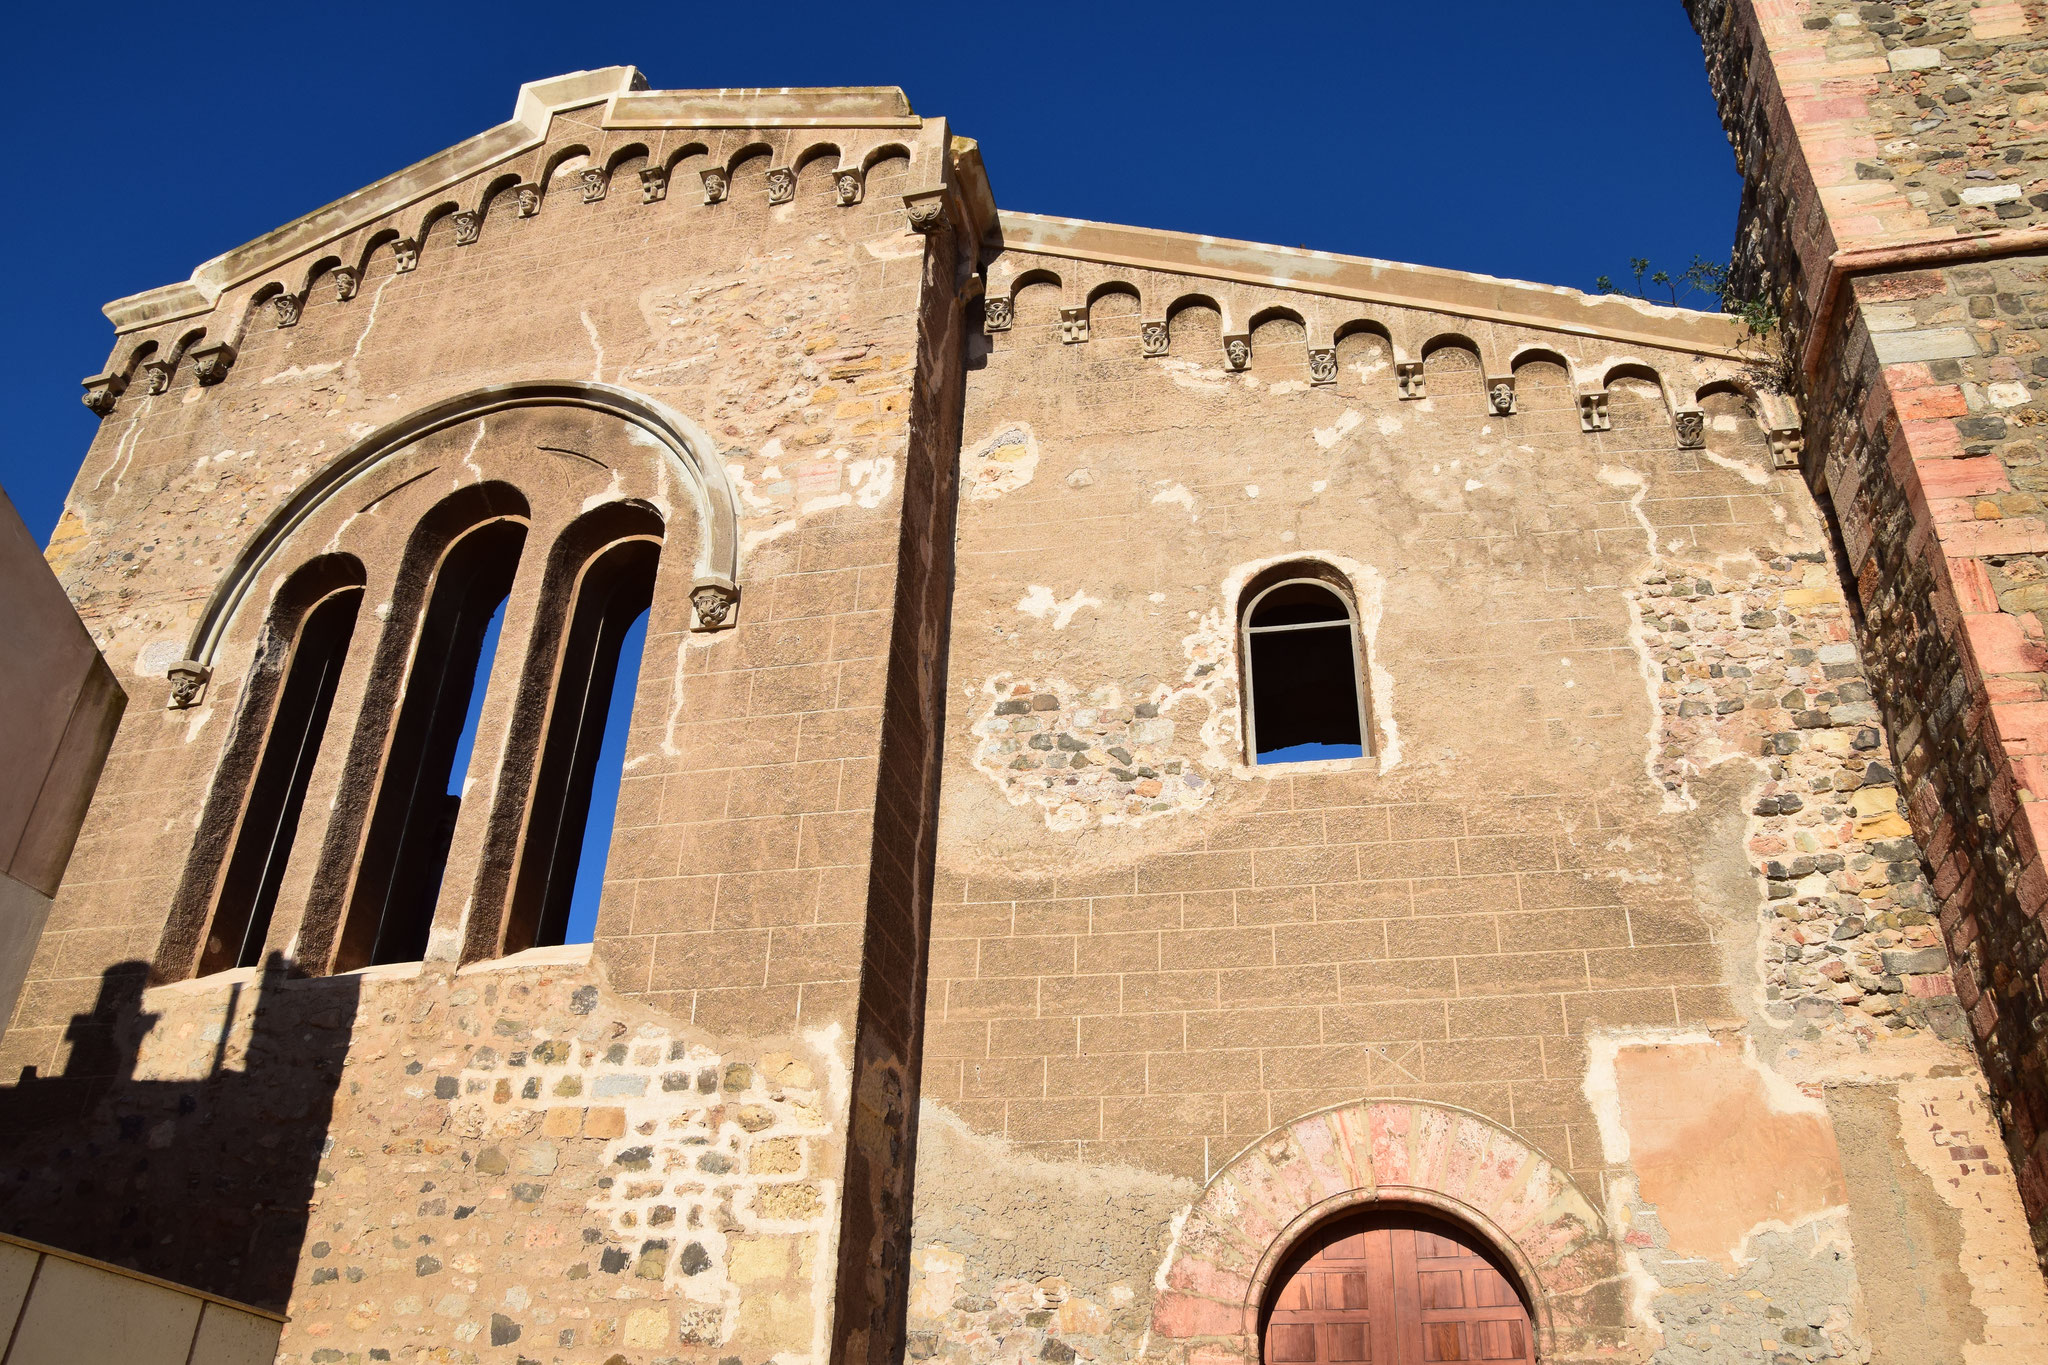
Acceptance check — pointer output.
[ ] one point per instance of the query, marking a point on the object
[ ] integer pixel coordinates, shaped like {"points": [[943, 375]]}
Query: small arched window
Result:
{"points": [[1302, 669]]}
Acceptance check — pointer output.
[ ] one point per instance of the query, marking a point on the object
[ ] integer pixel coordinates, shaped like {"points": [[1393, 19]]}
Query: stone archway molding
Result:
{"points": [[1380, 1153], [692, 454]]}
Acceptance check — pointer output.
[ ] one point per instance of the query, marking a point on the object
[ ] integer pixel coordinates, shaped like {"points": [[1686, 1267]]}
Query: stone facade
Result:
{"points": [[962, 988]]}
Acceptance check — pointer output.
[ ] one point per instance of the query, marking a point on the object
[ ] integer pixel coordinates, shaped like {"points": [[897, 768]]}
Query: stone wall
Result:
{"points": [[1892, 193]]}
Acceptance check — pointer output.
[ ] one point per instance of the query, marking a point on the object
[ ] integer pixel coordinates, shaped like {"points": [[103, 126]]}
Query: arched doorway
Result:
{"points": [[1393, 1286]]}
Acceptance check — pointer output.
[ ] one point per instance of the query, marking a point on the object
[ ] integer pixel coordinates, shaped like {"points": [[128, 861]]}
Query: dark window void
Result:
{"points": [[1302, 699], [561, 864], [248, 893], [406, 850]]}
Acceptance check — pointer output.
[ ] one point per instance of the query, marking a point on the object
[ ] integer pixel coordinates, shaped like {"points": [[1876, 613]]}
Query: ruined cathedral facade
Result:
{"points": [[1184, 801]]}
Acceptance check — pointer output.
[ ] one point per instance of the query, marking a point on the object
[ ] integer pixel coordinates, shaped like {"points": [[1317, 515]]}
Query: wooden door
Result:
{"points": [[1387, 1288]]}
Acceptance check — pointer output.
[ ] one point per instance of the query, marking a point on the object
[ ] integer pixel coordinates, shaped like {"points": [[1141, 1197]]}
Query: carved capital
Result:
{"points": [[653, 184], [1322, 364], [1408, 374], [1153, 337], [212, 363], [926, 209], [1691, 426], [594, 183], [997, 313], [101, 390], [1788, 444], [716, 185], [1073, 325], [287, 307], [716, 602], [347, 279], [188, 679], [156, 376], [526, 199], [407, 250], [1237, 351], [1500, 395], [1593, 411], [781, 184], [849, 183], [469, 225]]}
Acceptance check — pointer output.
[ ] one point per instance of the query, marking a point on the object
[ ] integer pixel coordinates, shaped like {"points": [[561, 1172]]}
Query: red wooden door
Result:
{"points": [[1394, 1289]]}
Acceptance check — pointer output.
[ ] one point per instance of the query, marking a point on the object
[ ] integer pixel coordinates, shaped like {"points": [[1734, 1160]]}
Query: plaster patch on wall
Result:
{"points": [[774, 502], [1039, 603], [1347, 422], [1001, 464], [1177, 495]]}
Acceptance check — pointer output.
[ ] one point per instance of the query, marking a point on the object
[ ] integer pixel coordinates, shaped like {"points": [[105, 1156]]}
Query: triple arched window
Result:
{"points": [[1302, 657], [413, 694]]}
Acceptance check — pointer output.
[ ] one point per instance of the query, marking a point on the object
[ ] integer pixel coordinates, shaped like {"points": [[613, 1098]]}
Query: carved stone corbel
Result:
{"points": [[1788, 444], [407, 250], [469, 225], [156, 376], [188, 679], [1322, 364], [101, 390], [998, 313], [716, 604], [212, 363], [1408, 374], [849, 183], [716, 184], [1153, 338], [1237, 351], [1593, 411], [1691, 426], [653, 184], [781, 184], [526, 199], [594, 182], [1500, 395], [926, 209], [287, 307], [1073, 325]]}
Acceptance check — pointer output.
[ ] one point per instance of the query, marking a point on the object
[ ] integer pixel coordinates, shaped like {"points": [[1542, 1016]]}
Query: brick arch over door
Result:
{"points": [[1257, 1210], [689, 453]]}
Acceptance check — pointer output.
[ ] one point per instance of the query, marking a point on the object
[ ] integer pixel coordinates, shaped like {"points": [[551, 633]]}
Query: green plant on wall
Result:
{"points": [[1713, 280]]}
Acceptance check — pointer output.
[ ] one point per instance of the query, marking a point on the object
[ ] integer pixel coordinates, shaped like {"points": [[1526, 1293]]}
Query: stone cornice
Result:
{"points": [[628, 107], [1361, 278]]}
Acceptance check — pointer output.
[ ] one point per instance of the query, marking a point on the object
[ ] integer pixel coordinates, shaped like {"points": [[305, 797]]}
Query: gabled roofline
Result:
{"points": [[1608, 316]]}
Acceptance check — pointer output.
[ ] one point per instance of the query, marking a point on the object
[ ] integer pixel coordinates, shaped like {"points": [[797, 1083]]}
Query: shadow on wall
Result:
{"points": [[205, 1181]]}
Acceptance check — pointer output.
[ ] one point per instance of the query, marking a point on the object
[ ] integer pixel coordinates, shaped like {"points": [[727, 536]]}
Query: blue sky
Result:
{"points": [[1546, 142]]}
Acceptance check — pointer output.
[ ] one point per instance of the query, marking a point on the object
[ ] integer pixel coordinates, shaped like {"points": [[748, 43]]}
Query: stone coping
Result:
{"points": [[125, 1273], [1365, 279]]}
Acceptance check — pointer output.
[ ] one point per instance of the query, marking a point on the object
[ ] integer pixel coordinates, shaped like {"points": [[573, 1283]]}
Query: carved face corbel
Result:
{"points": [[848, 184], [347, 279], [1691, 426], [188, 679], [653, 184], [1153, 337], [1073, 325], [469, 225], [1237, 351], [716, 602], [1593, 411], [212, 363], [781, 184], [716, 185], [1322, 365], [101, 390], [1408, 374], [1500, 396], [526, 198], [156, 376], [287, 307]]}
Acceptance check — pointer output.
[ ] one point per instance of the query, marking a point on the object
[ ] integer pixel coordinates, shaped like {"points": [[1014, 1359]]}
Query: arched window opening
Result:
{"points": [[263, 843], [1301, 673], [406, 850], [1395, 1287], [561, 865]]}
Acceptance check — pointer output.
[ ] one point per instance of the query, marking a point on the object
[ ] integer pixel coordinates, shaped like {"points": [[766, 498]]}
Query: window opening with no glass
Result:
{"points": [[1301, 673]]}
